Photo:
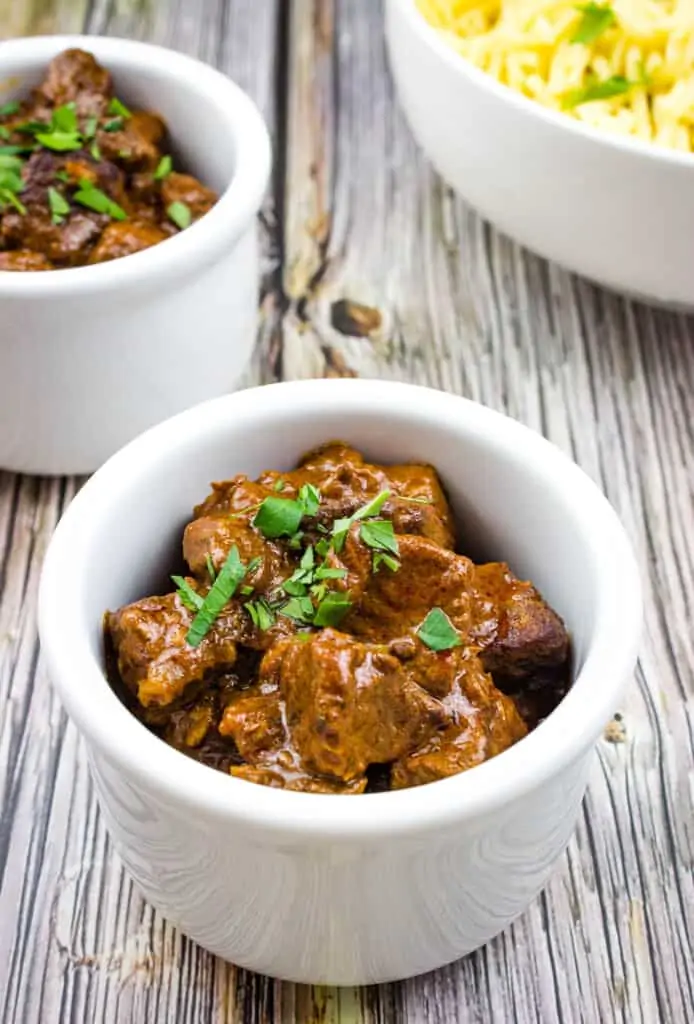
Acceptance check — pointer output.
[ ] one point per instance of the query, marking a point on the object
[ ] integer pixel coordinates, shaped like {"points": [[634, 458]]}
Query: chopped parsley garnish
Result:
{"points": [[278, 517], [300, 609], [341, 527], [11, 185], [179, 213], [437, 631], [617, 85], [95, 151], [595, 19], [59, 206], [9, 108], [261, 612], [13, 150], [10, 161], [115, 106], [164, 168], [187, 596], [380, 535], [94, 199], [90, 127], [309, 498], [62, 134], [223, 588], [115, 125], [332, 609], [61, 142], [380, 558], [211, 571]]}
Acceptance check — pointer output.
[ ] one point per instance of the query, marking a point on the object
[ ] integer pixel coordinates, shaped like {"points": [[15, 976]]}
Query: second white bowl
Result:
{"points": [[90, 357]]}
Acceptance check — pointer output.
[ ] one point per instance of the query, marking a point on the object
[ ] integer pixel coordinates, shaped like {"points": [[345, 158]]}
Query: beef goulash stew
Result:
{"points": [[328, 638], [83, 179]]}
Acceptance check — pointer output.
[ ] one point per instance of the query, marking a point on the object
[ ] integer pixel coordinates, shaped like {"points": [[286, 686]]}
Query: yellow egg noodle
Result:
{"points": [[626, 66]]}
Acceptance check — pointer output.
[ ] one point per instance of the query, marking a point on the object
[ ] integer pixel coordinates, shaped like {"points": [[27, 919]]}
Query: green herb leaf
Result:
{"points": [[325, 572], [261, 613], [309, 497], [5, 133], [379, 534], [189, 597], [94, 199], [90, 127], [164, 168], [254, 564], [223, 588], [95, 151], [63, 176], [9, 161], [341, 526], [64, 119], [116, 107], [61, 142], [278, 517], [180, 215], [246, 590], [332, 609], [14, 150], [295, 541], [295, 588], [438, 632], [9, 108], [372, 508], [300, 609], [323, 547], [115, 125], [596, 19], [31, 127], [307, 559], [617, 85], [8, 195], [59, 206], [380, 558], [211, 571]]}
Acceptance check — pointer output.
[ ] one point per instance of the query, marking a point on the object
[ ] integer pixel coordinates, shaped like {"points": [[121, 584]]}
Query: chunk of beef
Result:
{"points": [[422, 508], [67, 244], [520, 635], [395, 603], [75, 76], [154, 659], [482, 722], [255, 722], [136, 144], [184, 188], [214, 537], [348, 704], [189, 727], [24, 259], [122, 238]]}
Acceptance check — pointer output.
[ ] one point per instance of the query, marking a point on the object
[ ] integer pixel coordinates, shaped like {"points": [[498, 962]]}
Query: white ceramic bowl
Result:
{"points": [[342, 889], [616, 210], [92, 356]]}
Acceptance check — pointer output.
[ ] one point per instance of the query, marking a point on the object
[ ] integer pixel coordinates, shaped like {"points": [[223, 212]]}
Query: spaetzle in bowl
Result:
{"points": [[580, 162], [625, 66]]}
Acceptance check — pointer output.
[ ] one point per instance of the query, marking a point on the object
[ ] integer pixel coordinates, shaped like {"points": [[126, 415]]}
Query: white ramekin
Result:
{"points": [[90, 357], [611, 207], [342, 889]]}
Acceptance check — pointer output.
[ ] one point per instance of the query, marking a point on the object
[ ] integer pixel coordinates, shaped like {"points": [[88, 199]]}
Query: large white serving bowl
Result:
{"points": [[342, 889], [615, 209], [92, 356]]}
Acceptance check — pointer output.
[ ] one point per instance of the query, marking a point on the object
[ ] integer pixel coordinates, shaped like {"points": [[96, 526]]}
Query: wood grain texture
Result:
{"points": [[357, 217]]}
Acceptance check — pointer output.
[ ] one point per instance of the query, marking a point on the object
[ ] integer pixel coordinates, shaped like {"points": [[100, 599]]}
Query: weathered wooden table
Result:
{"points": [[373, 268]]}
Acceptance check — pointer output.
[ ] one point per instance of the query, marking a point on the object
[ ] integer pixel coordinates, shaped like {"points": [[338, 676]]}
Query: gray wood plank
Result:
{"points": [[464, 309]]}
